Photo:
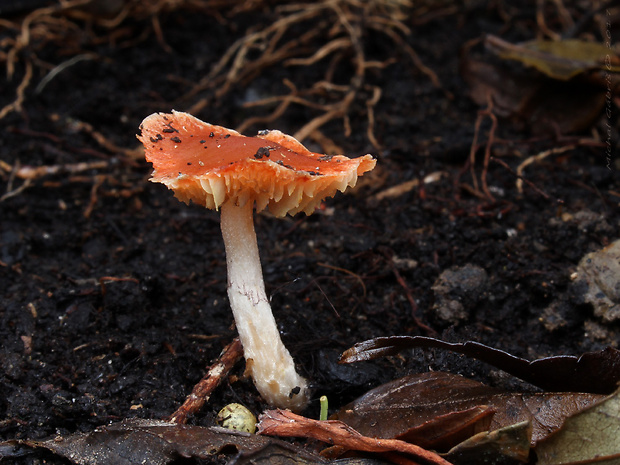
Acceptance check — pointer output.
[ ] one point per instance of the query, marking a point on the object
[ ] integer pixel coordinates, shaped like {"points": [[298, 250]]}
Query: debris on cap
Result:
{"points": [[210, 165]]}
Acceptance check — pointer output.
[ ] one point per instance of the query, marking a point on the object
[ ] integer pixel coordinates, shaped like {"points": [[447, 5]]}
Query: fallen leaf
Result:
{"points": [[393, 409], [509, 91], [590, 436], [508, 444], [561, 59], [595, 372], [554, 92], [446, 431], [134, 442]]}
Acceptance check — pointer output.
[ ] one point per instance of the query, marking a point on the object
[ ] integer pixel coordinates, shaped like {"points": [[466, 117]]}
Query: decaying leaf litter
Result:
{"points": [[115, 297]]}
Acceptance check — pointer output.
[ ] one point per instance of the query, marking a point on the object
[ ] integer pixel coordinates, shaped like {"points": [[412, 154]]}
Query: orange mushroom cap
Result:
{"points": [[210, 165]]}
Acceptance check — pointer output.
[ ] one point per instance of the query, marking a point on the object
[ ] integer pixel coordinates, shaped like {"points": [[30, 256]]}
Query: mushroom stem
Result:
{"points": [[268, 361]]}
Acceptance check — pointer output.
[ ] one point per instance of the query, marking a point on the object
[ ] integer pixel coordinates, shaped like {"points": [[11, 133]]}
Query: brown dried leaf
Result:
{"points": [[568, 95], [590, 436], [502, 446], [596, 372], [396, 407], [510, 91], [446, 431], [133, 442]]}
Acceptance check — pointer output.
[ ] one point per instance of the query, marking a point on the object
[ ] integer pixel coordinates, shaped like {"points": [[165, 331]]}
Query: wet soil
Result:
{"points": [[113, 293]]}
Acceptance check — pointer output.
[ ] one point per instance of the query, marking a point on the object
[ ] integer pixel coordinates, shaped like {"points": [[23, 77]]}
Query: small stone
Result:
{"points": [[552, 317], [457, 290], [596, 331], [598, 282]]}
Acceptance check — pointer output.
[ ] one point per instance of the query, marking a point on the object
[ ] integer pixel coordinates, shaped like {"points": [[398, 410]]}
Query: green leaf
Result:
{"points": [[561, 60], [590, 436]]}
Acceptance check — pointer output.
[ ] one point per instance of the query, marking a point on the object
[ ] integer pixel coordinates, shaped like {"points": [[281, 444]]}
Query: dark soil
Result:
{"points": [[113, 293]]}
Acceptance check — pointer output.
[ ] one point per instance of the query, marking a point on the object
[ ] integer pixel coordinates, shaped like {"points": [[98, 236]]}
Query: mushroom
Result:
{"points": [[221, 169]]}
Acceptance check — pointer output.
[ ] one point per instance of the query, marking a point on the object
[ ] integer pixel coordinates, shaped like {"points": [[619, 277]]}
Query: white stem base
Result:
{"points": [[269, 362]]}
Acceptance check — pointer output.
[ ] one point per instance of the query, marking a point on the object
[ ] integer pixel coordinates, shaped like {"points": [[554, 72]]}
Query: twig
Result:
{"points": [[17, 104], [412, 55], [330, 47], [104, 280], [370, 111], [99, 179], [487, 112], [404, 187], [542, 24], [340, 24], [35, 172], [527, 181], [536, 158], [349, 272], [17, 191], [60, 68], [487, 154], [410, 299], [102, 140], [160, 34], [31, 173], [287, 424], [202, 391]]}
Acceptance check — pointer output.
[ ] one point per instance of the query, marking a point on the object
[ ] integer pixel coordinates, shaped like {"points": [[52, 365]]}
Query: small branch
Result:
{"points": [[202, 391], [61, 67], [349, 272], [287, 424], [34, 172], [487, 112], [17, 191], [21, 89], [414, 306], [536, 158], [521, 178]]}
